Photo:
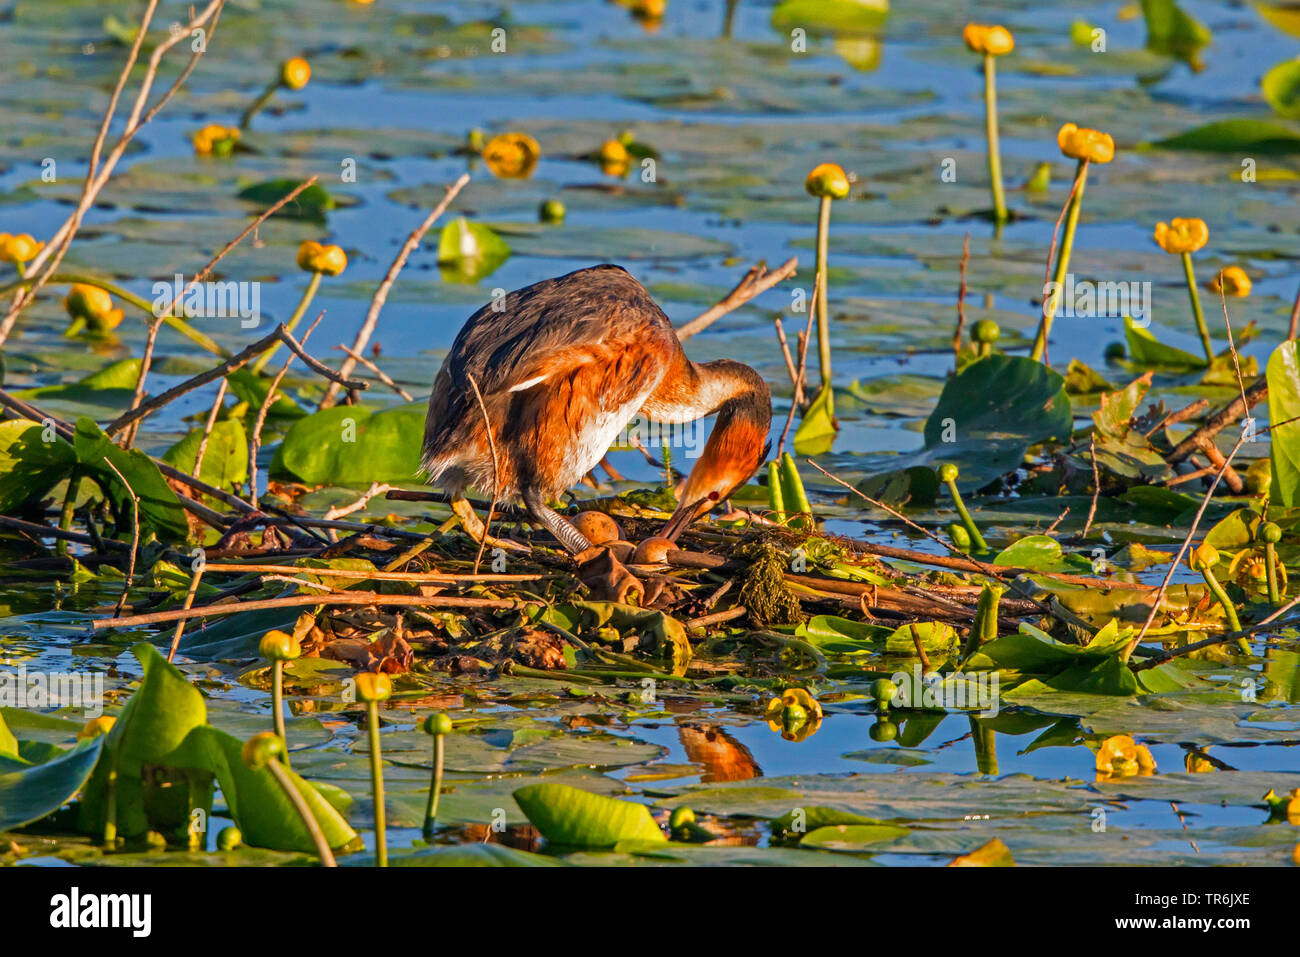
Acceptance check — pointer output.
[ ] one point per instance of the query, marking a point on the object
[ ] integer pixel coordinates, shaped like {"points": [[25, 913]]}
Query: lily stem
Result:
{"points": [[277, 705], [1201, 329], [435, 786], [823, 312], [377, 783], [995, 154], [1052, 297], [308, 819]]}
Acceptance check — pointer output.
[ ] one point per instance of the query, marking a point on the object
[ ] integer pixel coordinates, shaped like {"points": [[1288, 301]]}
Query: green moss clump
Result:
{"points": [[764, 593]]}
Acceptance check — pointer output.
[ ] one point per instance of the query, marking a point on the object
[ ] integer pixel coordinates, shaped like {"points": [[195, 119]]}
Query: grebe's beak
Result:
{"points": [[685, 514]]}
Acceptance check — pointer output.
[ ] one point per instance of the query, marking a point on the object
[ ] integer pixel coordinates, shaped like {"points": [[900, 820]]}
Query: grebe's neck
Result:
{"points": [[739, 440]]}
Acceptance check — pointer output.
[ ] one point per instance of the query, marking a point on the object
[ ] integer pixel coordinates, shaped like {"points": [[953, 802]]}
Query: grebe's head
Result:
{"points": [[736, 448]]}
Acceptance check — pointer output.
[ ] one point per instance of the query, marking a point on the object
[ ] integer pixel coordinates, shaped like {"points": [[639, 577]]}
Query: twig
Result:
{"points": [[381, 293], [920, 649], [755, 282], [433, 577], [255, 442], [235, 362], [379, 373], [1178, 559], [208, 427], [796, 399], [189, 603], [45, 262], [496, 474], [135, 537], [298, 601], [785, 351], [961, 300], [1257, 391], [1096, 486], [376, 488]]}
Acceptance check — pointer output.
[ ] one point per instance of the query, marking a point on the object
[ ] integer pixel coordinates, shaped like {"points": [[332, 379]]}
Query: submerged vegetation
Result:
{"points": [[1052, 588]]}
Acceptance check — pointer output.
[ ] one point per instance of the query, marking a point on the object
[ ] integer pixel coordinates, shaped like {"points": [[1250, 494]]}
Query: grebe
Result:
{"points": [[562, 366]]}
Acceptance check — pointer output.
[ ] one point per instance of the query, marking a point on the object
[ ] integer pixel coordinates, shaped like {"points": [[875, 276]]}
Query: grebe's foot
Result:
{"points": [[476, 530], [606, 576]]}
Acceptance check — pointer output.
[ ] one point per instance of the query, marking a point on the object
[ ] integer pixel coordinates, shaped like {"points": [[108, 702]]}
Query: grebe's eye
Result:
{"points": [[713, 496]]}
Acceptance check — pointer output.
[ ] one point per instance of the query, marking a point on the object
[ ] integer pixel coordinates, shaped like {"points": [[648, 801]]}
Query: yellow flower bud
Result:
{"points": [[19, 248], [512, 155], [315, 257], [1231, 281], [294, 73], [279, 645], [993, 40], [1204, 556], [94, 306], [215, 140], [828, 179], [1081, 143], [374, 686], [1180, 236], [95, 727]]}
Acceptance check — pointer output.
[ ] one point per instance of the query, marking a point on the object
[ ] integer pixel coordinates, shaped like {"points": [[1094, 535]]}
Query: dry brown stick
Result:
{"points": [[437, 578], [234, 363], [920, 648], [1178, 559], [255, 442], [785, 351], [717, 617], [379, 373], [208, 426], [299, 601], [376, 488], [1230, 413], [979, 566], [135, 537], [496, 474], [1173, 418], [45, 263], [133, 56], [38, 530], [189, 603], [1096, 486], [381, 293], [961, 300], [753, 283], [797, 399], [156, 326]]}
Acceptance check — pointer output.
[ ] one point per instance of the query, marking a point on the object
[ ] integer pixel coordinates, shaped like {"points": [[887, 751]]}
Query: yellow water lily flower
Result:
{"points": [[828, 179], [512, 155], [93, 306], [1121, 756], [295, 72], [993, 40], [215, 140], [1182, 235], [374, 686], [1231, 281], [316, 257], [795, 715], [1081, 143], [18, 249], [614, 158]]}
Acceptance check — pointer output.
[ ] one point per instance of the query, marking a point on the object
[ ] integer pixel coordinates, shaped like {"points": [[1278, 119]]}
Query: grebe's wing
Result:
{"points": [[554, 326]]}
